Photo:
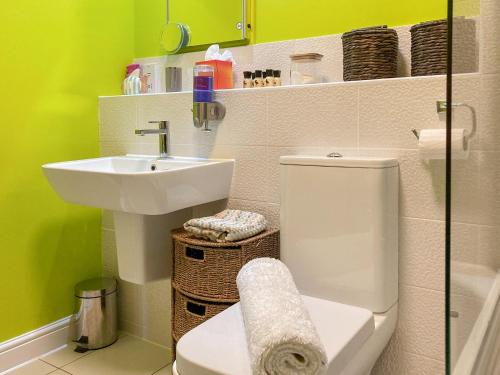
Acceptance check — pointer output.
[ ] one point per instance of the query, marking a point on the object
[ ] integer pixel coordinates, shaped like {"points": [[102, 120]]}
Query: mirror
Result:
{"points": [[174, 37], [205, 22]]}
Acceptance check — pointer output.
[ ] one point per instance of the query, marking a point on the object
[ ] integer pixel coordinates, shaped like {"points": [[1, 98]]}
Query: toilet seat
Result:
{"points": [[218, 346]]}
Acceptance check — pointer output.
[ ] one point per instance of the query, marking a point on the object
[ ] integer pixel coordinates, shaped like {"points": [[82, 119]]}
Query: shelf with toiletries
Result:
{"points": [[294, 87], [350, 56], [158, 77]]}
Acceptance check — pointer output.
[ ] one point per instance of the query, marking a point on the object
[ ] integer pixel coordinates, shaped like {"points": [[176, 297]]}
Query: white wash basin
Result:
{"points": [[141, 184], [148, 196]]}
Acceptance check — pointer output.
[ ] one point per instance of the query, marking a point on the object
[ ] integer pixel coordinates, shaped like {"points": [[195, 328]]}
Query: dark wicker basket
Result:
{"points": [[370, 53], [429, 48], [190, 312], [207, 270]]}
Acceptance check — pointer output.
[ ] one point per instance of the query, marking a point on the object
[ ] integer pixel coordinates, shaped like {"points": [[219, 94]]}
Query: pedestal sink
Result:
{"points": [[147, 196]]}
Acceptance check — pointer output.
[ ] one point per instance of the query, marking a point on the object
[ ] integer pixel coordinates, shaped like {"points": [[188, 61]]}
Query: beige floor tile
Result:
{"points": [[128, 356], [167, 370], [64, 356], [33, 368], [59, 372]]}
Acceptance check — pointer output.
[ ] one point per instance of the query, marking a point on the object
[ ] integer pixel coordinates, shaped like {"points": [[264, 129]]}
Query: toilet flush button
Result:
{"points": [[334, 155]]}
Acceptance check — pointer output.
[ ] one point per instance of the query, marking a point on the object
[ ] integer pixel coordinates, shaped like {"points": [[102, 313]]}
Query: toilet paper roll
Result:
{"points": [[432, 144]]}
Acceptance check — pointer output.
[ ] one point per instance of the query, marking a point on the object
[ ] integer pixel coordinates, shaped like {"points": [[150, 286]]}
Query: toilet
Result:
{"points": [[339, 238]]}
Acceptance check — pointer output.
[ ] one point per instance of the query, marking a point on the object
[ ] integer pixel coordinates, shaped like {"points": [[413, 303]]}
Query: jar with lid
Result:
{"points": [[305, 68]]}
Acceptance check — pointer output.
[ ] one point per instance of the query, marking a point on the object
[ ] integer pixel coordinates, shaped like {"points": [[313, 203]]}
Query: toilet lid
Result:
{"points": [[218, 346]]}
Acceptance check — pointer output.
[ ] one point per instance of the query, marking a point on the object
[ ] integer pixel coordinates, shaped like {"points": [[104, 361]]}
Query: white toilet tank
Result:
{"points": [[339, 228]]}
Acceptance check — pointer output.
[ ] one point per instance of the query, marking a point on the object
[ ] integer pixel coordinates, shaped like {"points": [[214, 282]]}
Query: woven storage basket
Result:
{"points": [[429, 48], [370, 53], [207, 270], [189, 313]]}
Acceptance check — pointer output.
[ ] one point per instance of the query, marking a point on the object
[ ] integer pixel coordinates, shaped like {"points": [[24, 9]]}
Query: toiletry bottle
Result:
{"points": [[133, 84], [153, 82], [203, 84], [247, 80], [258, 81], [130, 80], [276, 77], [269, 80]]}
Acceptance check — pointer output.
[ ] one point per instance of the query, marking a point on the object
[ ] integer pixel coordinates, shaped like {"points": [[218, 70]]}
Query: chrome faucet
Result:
{"points": [[163, 132]]}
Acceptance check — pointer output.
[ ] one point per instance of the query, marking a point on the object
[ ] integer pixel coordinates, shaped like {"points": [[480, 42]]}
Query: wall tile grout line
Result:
{"points": [[422, 355], [425, 289], [161, 368], [421, 287]]}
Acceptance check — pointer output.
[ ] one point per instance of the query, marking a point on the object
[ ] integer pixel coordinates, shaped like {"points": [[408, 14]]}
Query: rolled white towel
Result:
{"points": [[280, 334], [228, 225]]}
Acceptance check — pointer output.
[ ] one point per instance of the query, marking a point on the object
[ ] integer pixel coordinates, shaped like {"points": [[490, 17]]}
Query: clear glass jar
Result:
{"points": [[305, 68]]}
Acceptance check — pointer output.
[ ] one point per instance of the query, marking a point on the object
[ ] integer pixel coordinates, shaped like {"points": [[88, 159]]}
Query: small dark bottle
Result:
{"points": [[276, 77], [247, 80], [258, 81], [269, 78]]}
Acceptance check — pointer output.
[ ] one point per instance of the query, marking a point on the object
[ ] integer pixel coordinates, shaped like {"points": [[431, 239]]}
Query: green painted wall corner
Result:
{"points": [[57, 58]]}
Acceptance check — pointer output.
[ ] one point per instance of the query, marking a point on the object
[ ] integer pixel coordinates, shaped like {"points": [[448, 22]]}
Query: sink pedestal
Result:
{"points": [[144, 244]]}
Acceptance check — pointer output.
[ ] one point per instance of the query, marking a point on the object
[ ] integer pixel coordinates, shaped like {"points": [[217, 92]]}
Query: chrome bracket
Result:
{"points": [[442, 106], [204, 112]]}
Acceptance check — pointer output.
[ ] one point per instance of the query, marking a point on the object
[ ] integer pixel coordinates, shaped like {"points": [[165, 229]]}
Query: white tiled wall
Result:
{"points": [[366, 118]]}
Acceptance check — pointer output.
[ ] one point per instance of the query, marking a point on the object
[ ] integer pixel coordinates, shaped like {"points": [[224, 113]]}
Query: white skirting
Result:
{"points": [[34, 344]]}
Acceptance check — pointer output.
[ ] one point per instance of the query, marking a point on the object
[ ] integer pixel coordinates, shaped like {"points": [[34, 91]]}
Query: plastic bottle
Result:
{"points": [[247, 80], [269, 80], [258, 81], [203, 83]]}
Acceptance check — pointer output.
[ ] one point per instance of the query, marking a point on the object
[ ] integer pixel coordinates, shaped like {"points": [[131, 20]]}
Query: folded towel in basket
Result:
{"points": [[228, 225], [280, 334]]}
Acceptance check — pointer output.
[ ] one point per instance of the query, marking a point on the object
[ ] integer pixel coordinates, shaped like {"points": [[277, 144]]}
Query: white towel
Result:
{"points": [[228, 225], [280, 334]]}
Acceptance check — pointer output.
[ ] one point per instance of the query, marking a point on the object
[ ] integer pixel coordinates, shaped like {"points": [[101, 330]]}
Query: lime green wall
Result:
{"points": [[285, 19], [150, 17], [56, 57], [276, 20]]}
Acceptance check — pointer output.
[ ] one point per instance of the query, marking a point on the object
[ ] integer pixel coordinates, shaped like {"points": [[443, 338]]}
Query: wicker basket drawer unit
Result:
{"points": [[208, 270], [204, 275], [190, 312]]}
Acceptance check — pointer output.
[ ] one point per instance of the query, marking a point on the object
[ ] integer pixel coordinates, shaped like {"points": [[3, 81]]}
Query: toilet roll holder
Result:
{"points": [[442, 106]]}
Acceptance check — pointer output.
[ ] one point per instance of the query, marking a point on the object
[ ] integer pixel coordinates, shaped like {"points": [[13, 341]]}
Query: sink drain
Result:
{"points": [[153, 167]]}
